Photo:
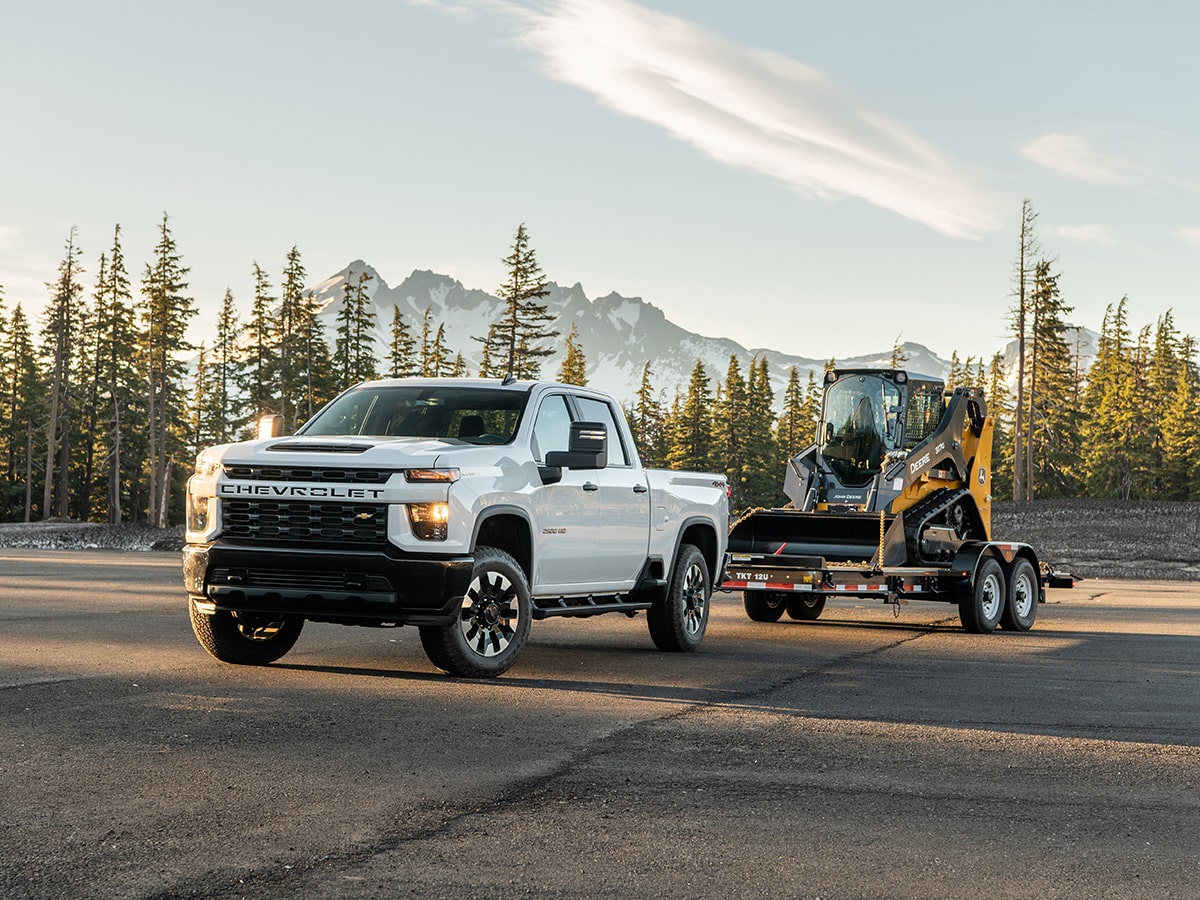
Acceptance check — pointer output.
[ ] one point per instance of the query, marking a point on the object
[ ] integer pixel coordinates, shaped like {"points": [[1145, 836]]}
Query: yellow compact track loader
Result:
{"points": [[892, 501]]}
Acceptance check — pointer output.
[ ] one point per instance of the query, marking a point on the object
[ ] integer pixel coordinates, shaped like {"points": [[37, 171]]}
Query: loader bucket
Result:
{"points": [[832, 537]]}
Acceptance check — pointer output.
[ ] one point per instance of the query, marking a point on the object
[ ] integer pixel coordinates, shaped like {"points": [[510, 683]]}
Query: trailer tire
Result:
{"points": [[245, 639], [805, 607], [492, 622], [1020, 607], [980, 608], [764, 606]]}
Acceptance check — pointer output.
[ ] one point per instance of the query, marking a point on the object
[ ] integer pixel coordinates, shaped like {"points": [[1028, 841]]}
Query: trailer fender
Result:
{"points": [[972, 554]]}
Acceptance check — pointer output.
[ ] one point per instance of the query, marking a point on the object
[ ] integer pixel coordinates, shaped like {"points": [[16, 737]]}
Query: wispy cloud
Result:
{"points": [[1074, 156], [750, 108], [1191, 235], [1087, 234]]}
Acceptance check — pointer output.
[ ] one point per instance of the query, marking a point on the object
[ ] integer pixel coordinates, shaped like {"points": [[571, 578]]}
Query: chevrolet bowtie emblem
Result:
{"points": [[365, 516]]}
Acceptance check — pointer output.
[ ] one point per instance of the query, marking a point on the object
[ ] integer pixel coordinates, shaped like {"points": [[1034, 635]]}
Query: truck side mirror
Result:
{"points": [[587, 448], [270, 426]]}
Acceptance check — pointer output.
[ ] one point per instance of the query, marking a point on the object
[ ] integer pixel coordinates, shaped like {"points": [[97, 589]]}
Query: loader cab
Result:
{"points": [[868, 414]]}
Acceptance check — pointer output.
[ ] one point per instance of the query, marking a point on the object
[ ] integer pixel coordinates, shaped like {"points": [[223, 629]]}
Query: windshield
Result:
{"points": [[467, 414], [860, 416]]}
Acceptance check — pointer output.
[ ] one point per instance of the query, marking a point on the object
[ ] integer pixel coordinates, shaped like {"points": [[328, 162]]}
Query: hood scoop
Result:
{"points": [[319, 447]]}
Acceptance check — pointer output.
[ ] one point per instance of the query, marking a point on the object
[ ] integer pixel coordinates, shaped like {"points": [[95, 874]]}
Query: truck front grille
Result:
{"points": [[297, 521]]}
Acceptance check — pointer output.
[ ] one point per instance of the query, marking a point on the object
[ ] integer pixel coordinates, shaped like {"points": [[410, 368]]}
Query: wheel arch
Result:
{"points": [[700, 533], [507, 528]]}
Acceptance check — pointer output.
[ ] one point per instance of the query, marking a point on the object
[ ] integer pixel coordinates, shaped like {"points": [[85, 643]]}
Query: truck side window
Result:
{"points": [[552, 427], [598, 411]]}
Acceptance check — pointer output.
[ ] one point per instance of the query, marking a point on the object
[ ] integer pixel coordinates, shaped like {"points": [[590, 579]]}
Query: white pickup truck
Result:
{"points": [[465, 507]]}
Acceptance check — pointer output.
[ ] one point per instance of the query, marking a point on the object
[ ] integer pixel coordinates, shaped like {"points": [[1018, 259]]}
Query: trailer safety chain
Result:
{"points": [[879, 555], [747, 514]]}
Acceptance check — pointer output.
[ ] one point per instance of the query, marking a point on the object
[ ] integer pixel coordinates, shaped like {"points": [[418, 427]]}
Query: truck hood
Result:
{"points": [[337, 451]]}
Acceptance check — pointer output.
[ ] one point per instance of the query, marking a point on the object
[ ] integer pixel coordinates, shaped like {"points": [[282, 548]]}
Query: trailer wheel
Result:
{"points": [[245, 639], [677, 622], [1020, 609], [492, 624], [764, 606], [805, 607], [981, 608]]}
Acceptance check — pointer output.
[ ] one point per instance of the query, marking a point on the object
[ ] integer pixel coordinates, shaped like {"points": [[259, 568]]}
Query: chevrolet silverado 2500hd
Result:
{"points": [[464, 507]]}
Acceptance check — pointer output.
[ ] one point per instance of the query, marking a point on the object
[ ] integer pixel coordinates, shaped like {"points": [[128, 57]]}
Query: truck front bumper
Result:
{"points": [[364, 587]]}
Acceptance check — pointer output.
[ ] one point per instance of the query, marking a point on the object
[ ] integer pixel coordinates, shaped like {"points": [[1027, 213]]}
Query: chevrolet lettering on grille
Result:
{"points": [[312, 491]]}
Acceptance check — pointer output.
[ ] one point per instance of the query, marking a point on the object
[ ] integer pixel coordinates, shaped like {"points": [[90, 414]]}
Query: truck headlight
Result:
{"points": [[202, 518], [206, 466], [430, 521]]}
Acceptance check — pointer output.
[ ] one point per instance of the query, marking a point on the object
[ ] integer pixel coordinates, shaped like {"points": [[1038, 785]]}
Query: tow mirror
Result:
{"points": [[587, 448]]}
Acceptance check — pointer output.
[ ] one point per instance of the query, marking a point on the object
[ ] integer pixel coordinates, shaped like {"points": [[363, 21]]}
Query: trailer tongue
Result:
{"points": [[893, 501]]}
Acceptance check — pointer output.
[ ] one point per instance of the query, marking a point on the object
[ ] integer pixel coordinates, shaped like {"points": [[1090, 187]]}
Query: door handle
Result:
{"points": [[640, 489], [591, 486]]}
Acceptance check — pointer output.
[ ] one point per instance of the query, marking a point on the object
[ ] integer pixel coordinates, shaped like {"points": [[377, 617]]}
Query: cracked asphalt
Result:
{"points": [[863, 755]]}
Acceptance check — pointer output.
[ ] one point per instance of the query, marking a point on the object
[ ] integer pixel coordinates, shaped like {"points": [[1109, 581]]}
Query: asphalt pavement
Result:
{"points": [[862, 755]]}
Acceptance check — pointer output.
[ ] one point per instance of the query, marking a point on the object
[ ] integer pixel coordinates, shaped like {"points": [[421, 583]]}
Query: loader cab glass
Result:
{"points": [[862, 424]]}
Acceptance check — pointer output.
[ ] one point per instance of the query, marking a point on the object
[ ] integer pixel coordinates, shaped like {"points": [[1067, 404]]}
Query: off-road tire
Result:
{"points": [[1020, 607], [245, 639], [980, 609], [678, 621], [805, 607], [764, 606], [492, 624]]}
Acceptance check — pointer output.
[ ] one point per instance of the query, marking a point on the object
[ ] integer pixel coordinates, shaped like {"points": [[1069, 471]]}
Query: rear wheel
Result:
{"points": [[980, 608], [492, 624], [245, 639], [805, 607], [1020, 609], [764, 606], [678, 622]]}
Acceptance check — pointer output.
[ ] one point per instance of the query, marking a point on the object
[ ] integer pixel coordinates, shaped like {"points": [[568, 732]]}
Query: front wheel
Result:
{"points": [[246, 639], [492, 624], [979, 609], [1020, 609], [764, 606], [678, 622], [805, 607]]}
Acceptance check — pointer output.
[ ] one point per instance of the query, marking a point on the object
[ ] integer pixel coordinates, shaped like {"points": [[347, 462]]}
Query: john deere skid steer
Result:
{"points": [[892, 501]]}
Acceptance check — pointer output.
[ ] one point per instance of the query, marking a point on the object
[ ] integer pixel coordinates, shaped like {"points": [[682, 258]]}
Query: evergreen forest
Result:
{"points": [[104, 402]]}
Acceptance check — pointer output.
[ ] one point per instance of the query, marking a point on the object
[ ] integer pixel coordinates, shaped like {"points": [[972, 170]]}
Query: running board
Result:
{"points": [[545, 608]]}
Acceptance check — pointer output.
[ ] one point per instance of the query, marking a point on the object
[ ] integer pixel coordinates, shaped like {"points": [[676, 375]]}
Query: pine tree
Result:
{"points": [[59, 338], [1027, 252], [999, 405], [165, 313], [899, 357], [1108, 440], [573, 369], [354, 351], [402, 361], [440, 363], [762, 474], [316, 369], [224, 411], [691, 431], [117, 375], [647, 421], [1180, 445], [731, 425], [513, 344], [290, 339], [260, 377], [1053, 418], [22, 409], [795, 427]]}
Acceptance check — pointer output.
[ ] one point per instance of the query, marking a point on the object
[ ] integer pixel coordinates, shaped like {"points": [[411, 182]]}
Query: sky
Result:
{"points": [[821, 179]]}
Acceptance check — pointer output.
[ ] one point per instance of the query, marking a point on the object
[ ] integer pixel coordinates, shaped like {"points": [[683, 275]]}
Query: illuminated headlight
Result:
{"points": [[429, 520], [206, 467], [428, 476], [202, 518]]}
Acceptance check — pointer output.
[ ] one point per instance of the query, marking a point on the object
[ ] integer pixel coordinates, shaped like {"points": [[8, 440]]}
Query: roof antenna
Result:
{"points": [[509, 378]]}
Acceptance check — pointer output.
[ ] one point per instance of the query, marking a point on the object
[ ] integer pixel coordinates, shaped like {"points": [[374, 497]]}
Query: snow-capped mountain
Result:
{"points": [[617, 334]]}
